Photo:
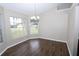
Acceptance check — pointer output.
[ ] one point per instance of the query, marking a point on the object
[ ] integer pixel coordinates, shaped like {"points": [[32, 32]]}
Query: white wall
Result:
{"points": [[76, 30], [73, 29], [78, 20], [2, 44], [53, 24]]}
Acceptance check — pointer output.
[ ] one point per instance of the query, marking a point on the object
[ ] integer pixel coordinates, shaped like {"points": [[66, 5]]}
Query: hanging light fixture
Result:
{"points": [[35, 16]]}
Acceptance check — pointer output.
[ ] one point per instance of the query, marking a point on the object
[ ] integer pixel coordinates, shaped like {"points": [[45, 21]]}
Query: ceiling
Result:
{"points": [[30, 8]]}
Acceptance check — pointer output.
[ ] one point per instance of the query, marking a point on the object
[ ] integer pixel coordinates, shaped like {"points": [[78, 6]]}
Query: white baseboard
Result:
{"points": [[52, 39], [68, 49], [36, 37], [3, 51]]}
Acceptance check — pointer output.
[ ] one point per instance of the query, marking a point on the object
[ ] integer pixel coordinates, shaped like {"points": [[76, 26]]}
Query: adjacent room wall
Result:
{"points": [[76, 30], [73, 29]]}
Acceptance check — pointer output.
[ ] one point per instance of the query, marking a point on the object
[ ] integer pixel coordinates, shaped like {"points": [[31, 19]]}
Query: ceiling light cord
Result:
{"points": [[35, 11]]}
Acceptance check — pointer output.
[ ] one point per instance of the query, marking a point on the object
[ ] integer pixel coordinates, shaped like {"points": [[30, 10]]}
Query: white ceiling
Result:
{"points": [[30, 8]]}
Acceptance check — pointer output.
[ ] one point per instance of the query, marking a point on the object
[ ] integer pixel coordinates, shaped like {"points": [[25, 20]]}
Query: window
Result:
{"points": [[34, 25], [16, 27]]}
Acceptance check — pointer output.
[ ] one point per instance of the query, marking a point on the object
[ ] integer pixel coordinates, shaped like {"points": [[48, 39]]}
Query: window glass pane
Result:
{"points": [[19, 20], [34, 25], [11, 21], [14, 21], [17, 28], [20, 26], [34, 29]]}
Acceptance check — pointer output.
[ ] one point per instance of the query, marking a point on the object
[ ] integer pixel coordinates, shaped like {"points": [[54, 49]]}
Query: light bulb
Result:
{"points": [[38, 17], [35, 17]]}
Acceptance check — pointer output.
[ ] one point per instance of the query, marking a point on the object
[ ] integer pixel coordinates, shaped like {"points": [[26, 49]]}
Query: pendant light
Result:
{"points": [[35, 16]]}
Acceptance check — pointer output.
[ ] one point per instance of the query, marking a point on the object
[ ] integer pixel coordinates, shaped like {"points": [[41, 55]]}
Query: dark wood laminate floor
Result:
{"points": [[38, 47]]}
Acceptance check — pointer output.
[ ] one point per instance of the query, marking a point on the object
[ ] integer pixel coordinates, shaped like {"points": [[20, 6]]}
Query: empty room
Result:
{"points": [[39, 29]]}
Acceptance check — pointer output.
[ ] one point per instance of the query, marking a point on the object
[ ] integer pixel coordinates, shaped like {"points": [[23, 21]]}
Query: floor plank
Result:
{"points": [[38, 47]]}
